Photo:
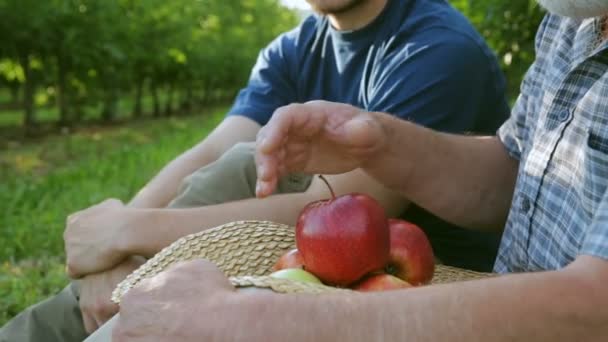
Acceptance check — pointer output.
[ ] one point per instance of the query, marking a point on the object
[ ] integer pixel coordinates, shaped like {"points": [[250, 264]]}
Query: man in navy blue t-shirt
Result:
{"points": [[417, 59]]}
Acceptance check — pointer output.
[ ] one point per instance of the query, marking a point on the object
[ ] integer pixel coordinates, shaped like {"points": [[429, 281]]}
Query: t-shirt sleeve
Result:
{"points": [[439, 79], [596, 239], [270, 84]]}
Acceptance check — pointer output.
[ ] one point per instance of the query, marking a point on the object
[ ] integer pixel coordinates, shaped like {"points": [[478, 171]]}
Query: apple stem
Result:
{"points": [[333, 195]]}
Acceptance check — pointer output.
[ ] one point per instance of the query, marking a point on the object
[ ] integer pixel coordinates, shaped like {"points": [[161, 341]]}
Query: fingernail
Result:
{"points": [[258, 189]]}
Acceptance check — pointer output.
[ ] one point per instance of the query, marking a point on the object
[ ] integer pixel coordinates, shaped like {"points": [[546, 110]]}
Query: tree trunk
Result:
{"points": [[205, 94], [155, 100], [110, 106], [28, 92], [139, 91], [187, 99], [62, 101], [14, 89], [169, 102]]}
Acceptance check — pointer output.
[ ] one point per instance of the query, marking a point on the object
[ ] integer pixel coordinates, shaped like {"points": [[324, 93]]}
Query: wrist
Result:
{"points": [[131, 241], [393, 161]]}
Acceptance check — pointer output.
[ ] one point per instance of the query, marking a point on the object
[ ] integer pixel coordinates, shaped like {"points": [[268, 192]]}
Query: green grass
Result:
{"points": [[40, 184]]}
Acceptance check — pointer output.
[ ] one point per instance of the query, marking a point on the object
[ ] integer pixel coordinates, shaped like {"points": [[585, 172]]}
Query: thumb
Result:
{"points": [[209, 275]]}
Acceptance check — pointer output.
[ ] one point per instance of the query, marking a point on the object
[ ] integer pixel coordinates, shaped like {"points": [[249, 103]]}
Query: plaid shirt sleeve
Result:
{"points": [[514, 132], [596, 239]]}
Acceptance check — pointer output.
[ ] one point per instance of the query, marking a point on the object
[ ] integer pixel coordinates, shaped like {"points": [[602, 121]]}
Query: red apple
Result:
{"points": [[343, 238], [411, 254], [291, 259], [381, 282]]}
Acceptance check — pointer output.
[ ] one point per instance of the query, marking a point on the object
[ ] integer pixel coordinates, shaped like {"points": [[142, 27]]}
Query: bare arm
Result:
{"points": [[163, 188], [463, 179], [160, 227], [466, 180], [556, 306], [92, 234]]}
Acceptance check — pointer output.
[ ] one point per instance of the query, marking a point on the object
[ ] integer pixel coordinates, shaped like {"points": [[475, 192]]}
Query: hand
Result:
{"points": [[93, 236], [163, 308], [315, 137], [96, 291]]}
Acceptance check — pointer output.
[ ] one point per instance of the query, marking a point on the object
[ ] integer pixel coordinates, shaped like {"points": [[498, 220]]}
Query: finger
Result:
{"points": [[265, 188], [271, 136], [267, 165], [90, 324], [267, 173], [211, 276], [98, 322], [106, 313], [295, 119], [266, 181], [72, 269]]}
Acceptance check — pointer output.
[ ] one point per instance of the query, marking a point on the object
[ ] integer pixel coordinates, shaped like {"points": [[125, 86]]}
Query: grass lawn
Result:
{"points": [[41, 183]]}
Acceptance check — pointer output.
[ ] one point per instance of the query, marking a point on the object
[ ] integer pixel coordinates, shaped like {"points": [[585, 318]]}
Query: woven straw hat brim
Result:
{"points": [[246, 251]]}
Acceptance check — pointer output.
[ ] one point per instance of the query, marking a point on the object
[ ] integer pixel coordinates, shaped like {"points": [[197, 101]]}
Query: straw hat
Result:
{"points": [[246, 251]]}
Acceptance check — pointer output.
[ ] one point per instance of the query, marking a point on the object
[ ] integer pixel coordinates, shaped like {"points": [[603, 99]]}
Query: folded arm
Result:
{"points": [[556, 306], [157, 228], [91, 234], [551, 306]]}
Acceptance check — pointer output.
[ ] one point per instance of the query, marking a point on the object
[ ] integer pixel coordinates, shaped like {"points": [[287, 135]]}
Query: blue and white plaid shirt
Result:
{"points": [[559, 132]]}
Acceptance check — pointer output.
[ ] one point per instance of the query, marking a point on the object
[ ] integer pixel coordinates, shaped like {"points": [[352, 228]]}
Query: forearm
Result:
{"points": [[553, 306], [157, 228], [161, 227], [466, 180]]}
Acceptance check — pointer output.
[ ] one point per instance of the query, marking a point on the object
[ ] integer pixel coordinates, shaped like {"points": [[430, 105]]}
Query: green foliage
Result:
{"points": [[43, 183], [509, 27], [89, 52]]}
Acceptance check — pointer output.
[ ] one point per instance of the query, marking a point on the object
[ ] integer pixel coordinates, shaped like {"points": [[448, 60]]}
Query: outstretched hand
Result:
{"points": [[315, 137]]}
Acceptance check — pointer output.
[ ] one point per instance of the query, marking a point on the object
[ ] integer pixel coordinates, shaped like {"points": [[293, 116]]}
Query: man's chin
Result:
{"points": [[576, 9], [330, 9]]}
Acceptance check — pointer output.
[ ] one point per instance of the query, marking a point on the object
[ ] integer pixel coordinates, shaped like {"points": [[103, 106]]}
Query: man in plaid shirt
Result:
{"points": [[543, 179]]}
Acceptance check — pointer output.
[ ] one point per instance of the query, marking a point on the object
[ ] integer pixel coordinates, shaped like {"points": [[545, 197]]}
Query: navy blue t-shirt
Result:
{"points": [[420, 60]]}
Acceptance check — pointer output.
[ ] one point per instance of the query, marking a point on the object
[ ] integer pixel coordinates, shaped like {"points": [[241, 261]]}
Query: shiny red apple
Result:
{"points": [[411, 254], [291, 259], [381, 282], [343, 238]]}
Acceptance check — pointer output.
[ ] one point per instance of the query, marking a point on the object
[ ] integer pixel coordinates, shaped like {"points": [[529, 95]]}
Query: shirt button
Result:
{"points": [[563, 115], [525, 204]]}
